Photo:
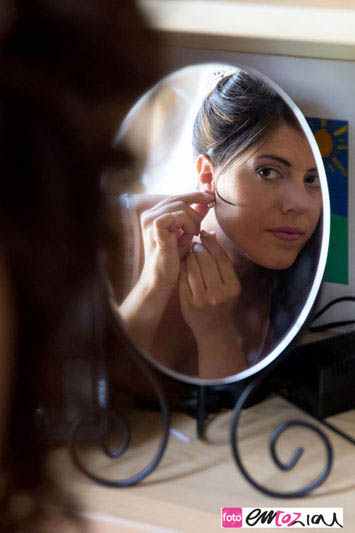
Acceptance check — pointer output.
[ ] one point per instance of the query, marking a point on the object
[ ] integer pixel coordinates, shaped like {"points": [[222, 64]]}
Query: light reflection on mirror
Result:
{"points": [[222, 229]]}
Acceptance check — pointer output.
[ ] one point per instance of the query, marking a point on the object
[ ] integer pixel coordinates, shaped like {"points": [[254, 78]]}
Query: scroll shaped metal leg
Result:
{"points": [[201, 411], [275, 435], [104, 418]]}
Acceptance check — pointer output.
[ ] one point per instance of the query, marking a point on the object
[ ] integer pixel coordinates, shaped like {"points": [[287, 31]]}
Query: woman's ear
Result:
{"points": [[205, 171]]}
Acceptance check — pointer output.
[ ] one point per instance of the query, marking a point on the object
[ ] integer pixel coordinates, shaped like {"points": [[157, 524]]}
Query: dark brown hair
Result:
{"points": [[240, 112], [70, 71]]}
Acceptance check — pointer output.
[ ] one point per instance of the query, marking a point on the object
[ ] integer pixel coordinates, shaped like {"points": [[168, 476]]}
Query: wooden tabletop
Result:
{"points": [[196, 478]]}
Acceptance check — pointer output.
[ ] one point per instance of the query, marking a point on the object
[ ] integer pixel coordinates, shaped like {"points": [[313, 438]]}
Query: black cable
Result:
{"points": [[329, 325], [333, 302]]}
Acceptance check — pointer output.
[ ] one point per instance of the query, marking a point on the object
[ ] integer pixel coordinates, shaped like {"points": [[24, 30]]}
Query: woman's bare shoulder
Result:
{"points": [[144, 202]]}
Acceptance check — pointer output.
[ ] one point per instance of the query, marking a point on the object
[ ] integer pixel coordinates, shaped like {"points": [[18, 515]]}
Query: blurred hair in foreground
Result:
{"points": [[70, 71]]}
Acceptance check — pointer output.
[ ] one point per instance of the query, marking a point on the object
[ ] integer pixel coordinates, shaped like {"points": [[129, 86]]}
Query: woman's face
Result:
{"points": [[277, 191]]}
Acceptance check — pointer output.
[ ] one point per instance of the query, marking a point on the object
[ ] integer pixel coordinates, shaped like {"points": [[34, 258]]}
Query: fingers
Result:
{"points": [[184, 287], [196, 197], [194, 275], [201, 282], [202, 201], [200, 273], [172, 215], [209, 268], [172, 222], [206, 263], [202, 209], [222, 261]]}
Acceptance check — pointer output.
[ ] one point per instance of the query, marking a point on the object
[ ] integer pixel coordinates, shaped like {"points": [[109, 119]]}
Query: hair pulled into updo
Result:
{"points": [[239, 112]]}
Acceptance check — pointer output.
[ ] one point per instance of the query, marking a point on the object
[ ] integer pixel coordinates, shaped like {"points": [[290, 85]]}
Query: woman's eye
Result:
{"points": [[268, 173], [312, 180]]}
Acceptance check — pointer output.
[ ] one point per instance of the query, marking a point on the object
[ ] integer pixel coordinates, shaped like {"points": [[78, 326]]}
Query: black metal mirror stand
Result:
{"points": [[103, 418], [283, 466]]}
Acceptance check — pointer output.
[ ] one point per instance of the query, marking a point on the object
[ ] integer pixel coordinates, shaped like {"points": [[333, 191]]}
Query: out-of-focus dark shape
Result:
{"points": [[70, 71]]}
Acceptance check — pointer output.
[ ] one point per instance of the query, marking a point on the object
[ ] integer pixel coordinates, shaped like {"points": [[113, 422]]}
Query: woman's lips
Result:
{"points": [[287, 233]]}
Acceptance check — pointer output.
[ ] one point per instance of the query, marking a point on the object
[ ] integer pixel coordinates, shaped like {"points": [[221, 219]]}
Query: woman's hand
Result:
{"points": [[168, 229], [209, 293]]}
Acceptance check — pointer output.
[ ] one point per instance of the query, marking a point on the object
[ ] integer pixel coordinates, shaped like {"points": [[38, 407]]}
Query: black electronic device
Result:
{"points": [[319, 377]]}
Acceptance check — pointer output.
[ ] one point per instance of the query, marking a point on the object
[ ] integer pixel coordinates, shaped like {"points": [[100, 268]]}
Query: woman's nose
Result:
{"points": [[295, 198]]}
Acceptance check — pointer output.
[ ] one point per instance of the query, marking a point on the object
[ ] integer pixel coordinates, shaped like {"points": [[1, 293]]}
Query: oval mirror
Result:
{"points": [[226, 230]]}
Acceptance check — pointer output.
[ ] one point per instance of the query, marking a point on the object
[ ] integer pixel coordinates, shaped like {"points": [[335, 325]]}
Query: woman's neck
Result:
{"points": [[244, 266]]}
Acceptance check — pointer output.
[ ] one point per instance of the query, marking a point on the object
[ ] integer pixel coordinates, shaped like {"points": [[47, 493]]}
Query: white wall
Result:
{"points": [[321, 88]]}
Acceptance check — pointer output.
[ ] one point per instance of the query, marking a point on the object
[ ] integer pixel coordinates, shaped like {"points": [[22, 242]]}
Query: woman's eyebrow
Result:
{"points": [[284, 161], [275, 158]]}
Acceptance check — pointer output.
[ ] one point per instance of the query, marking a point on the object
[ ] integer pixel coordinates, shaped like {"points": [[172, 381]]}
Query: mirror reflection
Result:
{"points": [[222, 239]]}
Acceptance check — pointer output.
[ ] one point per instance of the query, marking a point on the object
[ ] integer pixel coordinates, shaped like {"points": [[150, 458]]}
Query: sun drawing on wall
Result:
{"points": [[332, 138]]}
